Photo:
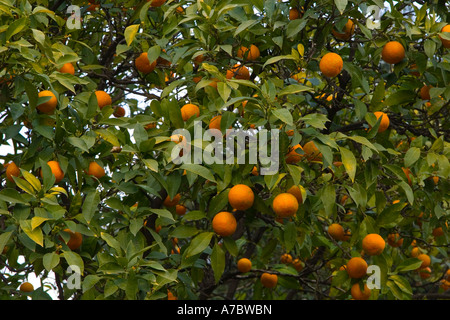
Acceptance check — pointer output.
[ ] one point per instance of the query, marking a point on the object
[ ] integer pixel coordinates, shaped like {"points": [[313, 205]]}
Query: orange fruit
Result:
{"points": [[189, 110], [168, 202], [290, 133], [26, 287], [119, 112], [297, 264], [56, 170], [435, 180], [357, 294], [239, 72], [292, 156], [180, 209], [269, 280], [286, 258], [424, 92], [248, 54], [426, 260], [49, 106], [285, 205], [96, 170], [393, 52], [199, 59], [445, 42], [336, 231], [331, 64], [143, 64], [407, 173], [215, 122], [356, 267], [244, 265], [373, 244], [67, 68], [295, 13], [425, 273], [150, 126], [296, 191], [75, 241], [224, 224], [415, 252], [12, 170], [170, 296], [394, 240], [241, 197], [348, 31], [311, 151], [255, 171], [103, 99], [414, 71], [384, 124], [156, 3]]}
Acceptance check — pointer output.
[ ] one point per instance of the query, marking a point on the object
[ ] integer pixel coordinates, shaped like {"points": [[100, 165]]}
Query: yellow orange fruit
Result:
{"points": [[171, 296], [244, 265], [49, 106], [285, 205], [394, 240], [373, 244], [215, 122], [224, 224], [384, 124], [286, 258], [292, 156], [56, 170], [349, 29], [12, 170], [67, 68], [415, 252], [297, 192], [424, 92], [445, 42], [359, 294], [168, 202], [255, 171], [241, 197], [143, 64], [425, 273], [336, 231], [251, 53], [26, 287], [312, 152], [180, 209], [426, 260], [295, 13], [75, 240], [189, 110], [297, 264], [356, 267], [269, 280], [119, 112], [331, 64], [103, 98], [238, 72], [96, 170], [393, 52]]}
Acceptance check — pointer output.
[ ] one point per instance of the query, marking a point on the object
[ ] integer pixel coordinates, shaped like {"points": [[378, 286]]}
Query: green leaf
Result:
{"points": [[409, 264], [430, 48], [278, 58], [199, 170], [50, 260], [231, 246], [4, 238], [290, 236], [400, 97], [340, 5], [411, 156], [284, 115], [294, 88], [34, 234], [328, 198], [32, 180], [130, 33], [199, 243], [90, 205], [349, 162], [244, 26], [153, 53], [24, 185], [90, 281], [74, 259], [162, 213], [294, 27], [217, 262], [15, 27], [37, 221], [224, 91], [151, 164], [12, 196]]}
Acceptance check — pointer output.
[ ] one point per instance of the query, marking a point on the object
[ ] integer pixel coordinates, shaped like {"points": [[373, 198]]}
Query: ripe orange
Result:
{"points": [[241, 197], [373, 244], [156, 3], [103, 99], [26, 287], [248, 54], [424, 92], [12, 170], [394, 240], [331, 64], [189, 110], [393, 52], [415, 252], [311, 151], [285, 205], [445, 42], [297, 264], [295, 13], [143, 64], [290, 133], [348, 31], [425, 273], [150, 126], [68, 68], [435, 180], [357, 294], [255, 171], [356, 267], [224, 224], [168, 202], [269, 280], [414, 70], [96, 170], [292, 156], [286, 258], [384, 124], [49, 106], [336, 231], [296, 191], [199, 59], [170, 296], [244, 265], [56, 170], [239, 72], [119, 112], [75, 241], [426, 260], [215, 122], [180, 209]]}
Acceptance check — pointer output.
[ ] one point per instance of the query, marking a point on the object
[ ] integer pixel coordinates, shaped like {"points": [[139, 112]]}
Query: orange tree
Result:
{"points": [[89, 181]]}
